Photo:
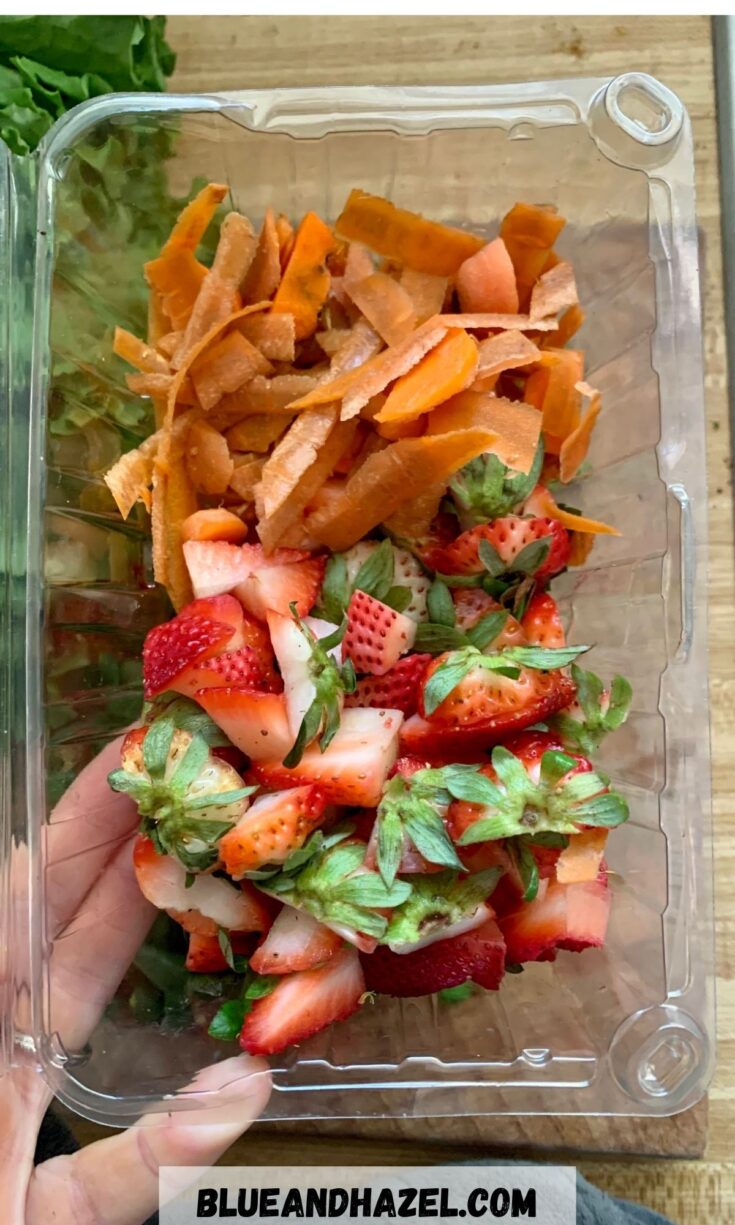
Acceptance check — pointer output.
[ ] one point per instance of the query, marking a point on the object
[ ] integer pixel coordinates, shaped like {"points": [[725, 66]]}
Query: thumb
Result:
{"points": [[115, 1181]]}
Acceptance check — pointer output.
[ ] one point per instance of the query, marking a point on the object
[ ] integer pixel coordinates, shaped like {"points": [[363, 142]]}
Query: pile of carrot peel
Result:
{"points": [[324, 381]]}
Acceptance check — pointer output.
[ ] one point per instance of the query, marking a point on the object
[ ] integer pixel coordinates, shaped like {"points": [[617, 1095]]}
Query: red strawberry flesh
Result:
{"points": [[478, 955], [170, 649]]}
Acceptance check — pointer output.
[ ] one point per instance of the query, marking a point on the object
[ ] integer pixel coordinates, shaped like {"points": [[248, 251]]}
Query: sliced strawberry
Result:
{"points": [[254, 721], [508, 536], [241, 667], [355, 766], [412, 861], [420, 738], [588, 913], [407, 572], [296, 941], [541, 621], [408, 766], [487, 702], [208, 904], [293, 652], [248, 632], [398, 688], [429, 548], [440, 739], [478, 955], [471, 604], [255, 635], [531, 746], [274, 582], [304, 1003], [215, 566], [229, 754], [171, 649], [225, 609], [205, 954], [572, 917], [273, 826], [376, 635]]}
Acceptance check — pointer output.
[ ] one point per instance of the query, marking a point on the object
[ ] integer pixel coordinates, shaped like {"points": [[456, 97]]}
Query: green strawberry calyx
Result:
{"points": [[515, 805], [437, 902], [176, 783], [331, 681], [486, 489], [333, 885], [601, 712]]}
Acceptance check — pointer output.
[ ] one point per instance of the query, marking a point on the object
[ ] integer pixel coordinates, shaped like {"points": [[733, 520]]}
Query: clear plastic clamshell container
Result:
{"points": [[628, 1030]]}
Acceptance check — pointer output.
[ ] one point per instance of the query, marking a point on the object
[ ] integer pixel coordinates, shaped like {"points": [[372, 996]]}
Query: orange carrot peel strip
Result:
{"points": [[129, 479], [506, 351], [385, 304], [208, 460], [139, 354], [194, 220], [390, 478], [257, 432], [541, 503], [495, 322], [555, 291], [573, 450], [406, 237], [427, 292], [226, 365], [315, 464], [569, 324], [176, 279], [208, 339], [355, 387], [553, 389], [176, 276], [174, 500], [443, 372], [529, 232], [219, 289], [516, 426], [264, 274], [305, 284]]}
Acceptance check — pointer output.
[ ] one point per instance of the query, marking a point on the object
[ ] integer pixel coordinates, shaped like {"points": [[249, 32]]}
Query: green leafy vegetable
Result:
{"points": [[455, 995], [228, 1021]]}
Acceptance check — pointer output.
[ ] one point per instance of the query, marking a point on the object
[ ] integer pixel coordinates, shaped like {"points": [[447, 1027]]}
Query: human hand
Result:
{"points": [[97, 919]]}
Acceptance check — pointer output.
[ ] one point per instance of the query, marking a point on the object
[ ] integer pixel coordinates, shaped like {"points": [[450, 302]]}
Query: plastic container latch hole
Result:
{"points": [[660, 1056], [644, 108], [667, 1066]]}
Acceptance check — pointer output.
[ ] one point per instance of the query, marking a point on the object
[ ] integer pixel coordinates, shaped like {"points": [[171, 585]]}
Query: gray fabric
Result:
{"points": [[594, 1207]]}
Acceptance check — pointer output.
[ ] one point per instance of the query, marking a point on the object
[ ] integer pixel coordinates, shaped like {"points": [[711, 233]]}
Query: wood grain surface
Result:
{"points": [[219, 53]]}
